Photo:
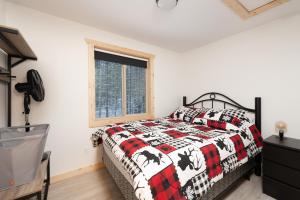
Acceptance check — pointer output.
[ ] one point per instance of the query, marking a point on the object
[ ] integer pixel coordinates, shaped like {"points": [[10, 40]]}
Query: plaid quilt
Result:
{"points": [[171, 159]]}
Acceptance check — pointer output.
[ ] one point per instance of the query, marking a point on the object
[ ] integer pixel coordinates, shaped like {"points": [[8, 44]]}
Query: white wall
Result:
{"points": [[2, 12], [264, 62], [3, 95], [3, 116], [62, 62]]}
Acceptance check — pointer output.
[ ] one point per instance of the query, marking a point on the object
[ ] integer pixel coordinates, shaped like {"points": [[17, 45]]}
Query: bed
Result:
{"points": [[198, 152]]}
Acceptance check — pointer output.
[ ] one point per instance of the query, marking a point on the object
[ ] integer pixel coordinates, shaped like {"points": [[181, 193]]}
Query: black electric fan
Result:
{"points": [[34, 87]]}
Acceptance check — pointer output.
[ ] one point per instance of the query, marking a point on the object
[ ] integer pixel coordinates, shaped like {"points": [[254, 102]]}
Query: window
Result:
{"points": [[120, 84]]}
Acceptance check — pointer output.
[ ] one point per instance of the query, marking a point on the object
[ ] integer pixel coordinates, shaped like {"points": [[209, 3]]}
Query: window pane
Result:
{"points": [[135, 90], [108, 89]]}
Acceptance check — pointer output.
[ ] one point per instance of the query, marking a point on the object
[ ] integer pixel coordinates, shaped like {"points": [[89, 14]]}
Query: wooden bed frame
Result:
{"points": [[225, 185]]}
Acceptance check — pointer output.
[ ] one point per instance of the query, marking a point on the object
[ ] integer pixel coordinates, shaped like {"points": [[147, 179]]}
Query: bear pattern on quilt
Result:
{"points": [[170, 158]]}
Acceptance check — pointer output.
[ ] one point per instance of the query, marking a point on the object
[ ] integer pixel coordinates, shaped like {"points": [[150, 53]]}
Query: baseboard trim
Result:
{"points": [[77, 172]]}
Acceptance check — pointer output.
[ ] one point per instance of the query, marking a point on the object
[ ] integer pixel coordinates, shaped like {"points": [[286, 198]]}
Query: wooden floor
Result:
{"points": [[99, 185]]}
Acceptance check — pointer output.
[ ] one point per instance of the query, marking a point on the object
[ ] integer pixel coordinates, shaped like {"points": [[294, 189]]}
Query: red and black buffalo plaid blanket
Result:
{"points": [[172, 159]]}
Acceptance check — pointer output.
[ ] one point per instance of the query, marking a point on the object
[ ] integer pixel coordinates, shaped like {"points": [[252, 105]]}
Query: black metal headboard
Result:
{"points": [[218, 97]]}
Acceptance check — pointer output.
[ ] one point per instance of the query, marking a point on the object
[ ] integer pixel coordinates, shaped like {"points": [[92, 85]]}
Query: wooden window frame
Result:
{"points": [[93, 121], [244, 13]]}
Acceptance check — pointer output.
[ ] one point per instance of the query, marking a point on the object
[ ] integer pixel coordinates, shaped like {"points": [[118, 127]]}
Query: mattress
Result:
{"points": [[166, 158], [216, 192], [117, 164]]}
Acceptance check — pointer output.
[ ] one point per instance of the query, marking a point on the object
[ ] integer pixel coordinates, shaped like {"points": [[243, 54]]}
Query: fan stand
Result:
{"points": [[27, 110]]}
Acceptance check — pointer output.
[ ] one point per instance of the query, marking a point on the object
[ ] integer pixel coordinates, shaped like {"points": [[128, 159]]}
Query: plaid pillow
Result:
{"points": [[186, 114], [233, 116], [215, 124]]}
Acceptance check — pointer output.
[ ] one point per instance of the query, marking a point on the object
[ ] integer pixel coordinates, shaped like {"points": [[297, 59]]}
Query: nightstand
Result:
{"points": [[281, 168]]}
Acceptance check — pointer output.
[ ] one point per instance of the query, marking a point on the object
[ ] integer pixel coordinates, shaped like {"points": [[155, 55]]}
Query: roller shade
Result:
{"points": [[120, 59]]}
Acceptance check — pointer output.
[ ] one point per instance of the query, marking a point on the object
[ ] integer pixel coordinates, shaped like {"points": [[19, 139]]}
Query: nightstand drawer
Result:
{"points": [[282, 156], [279, 191], [281, 173]]}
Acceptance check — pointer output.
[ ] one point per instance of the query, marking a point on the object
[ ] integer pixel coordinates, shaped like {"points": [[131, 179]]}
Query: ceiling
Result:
{"points": [[191, 24]]}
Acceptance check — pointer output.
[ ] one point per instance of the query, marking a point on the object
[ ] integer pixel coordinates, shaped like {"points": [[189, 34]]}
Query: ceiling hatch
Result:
{"points": [[254, 4], [250, 8]]}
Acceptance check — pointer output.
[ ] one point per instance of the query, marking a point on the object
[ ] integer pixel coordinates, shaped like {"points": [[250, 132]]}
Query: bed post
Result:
{"points": [[184, 101], [258, 113], [258, 157]]}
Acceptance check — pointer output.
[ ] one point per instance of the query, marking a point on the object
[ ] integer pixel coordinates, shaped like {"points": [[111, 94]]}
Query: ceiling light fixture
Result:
{"points": [[166, 4]]}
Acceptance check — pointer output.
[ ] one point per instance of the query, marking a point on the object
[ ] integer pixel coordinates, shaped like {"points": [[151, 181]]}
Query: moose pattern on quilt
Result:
{"points": [[171, 159]]}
